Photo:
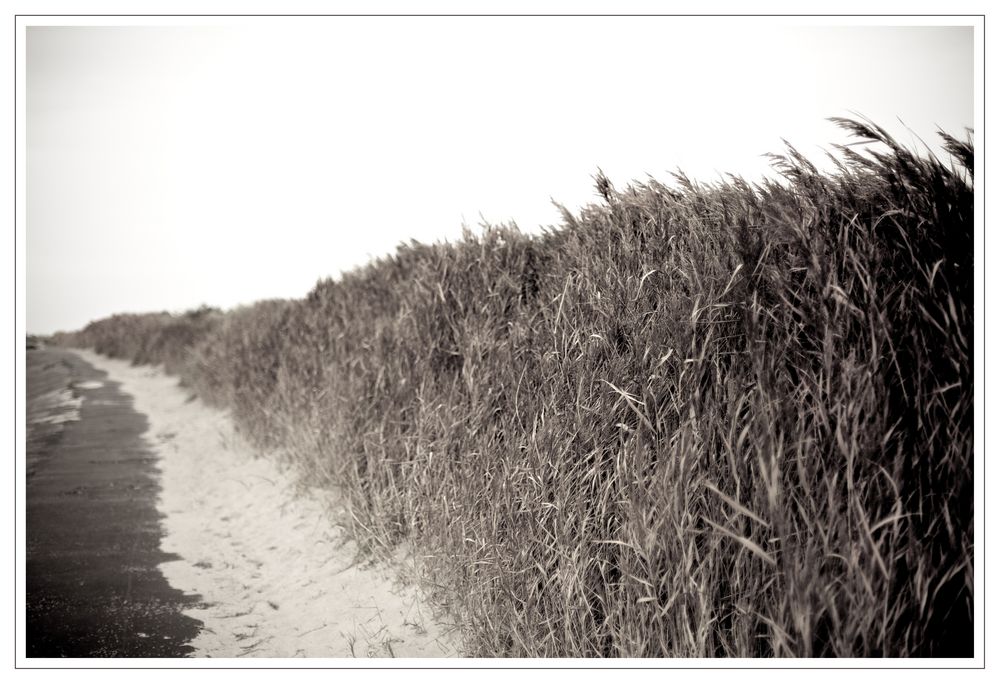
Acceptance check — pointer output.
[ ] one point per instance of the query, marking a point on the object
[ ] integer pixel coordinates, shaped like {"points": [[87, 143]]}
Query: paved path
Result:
{"points": [[93, 531]]}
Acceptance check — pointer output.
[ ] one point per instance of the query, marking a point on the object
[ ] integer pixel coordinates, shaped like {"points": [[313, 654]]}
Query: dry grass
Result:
{"points": [[697, 420]]}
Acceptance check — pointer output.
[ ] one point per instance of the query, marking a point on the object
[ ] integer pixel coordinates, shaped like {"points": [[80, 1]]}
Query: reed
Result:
{"points": [[696, 420]]}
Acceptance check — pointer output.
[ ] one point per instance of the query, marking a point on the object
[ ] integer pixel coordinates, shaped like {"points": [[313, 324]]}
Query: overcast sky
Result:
{"points": [[170, 167]]}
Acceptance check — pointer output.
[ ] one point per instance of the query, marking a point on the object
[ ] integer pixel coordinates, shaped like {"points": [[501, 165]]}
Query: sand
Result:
{"points": [[276, 576]]}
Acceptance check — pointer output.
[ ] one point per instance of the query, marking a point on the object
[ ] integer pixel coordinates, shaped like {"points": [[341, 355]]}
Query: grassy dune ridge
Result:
{"points": [[697, 420]]}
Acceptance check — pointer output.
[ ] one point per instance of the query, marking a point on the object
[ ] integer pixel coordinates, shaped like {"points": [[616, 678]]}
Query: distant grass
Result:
{"points": [[155, 338], [697, 420]]}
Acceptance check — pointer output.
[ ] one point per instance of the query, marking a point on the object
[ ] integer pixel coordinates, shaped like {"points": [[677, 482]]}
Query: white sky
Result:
{"points": [[170, 167]]}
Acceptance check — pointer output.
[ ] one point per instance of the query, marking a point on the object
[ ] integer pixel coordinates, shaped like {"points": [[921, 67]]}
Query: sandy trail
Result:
{"points": [[276, 577]]}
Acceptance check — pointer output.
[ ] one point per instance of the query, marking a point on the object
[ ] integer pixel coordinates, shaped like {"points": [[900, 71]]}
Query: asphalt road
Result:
{"points": [[93, 531]]}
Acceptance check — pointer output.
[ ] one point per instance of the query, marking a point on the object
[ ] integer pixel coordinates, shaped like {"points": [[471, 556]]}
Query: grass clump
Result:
{"points": [[697, 420], [152, 338]]}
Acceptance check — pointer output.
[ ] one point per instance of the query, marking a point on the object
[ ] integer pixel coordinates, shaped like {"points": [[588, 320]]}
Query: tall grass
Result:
{"points": [[698, 420], [154, 338]]}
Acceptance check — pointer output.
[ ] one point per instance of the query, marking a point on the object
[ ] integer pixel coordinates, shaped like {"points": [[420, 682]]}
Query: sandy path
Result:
{"points": [[275, 576]]}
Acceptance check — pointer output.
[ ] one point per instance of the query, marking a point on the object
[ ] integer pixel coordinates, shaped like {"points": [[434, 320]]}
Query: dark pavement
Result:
{"points": [[93, 531]]}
